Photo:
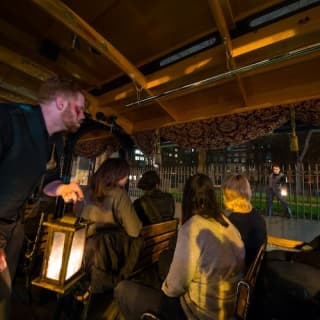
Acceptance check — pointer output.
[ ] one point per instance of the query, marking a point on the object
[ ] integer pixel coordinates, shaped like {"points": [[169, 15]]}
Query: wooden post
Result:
{"points": [[202, 161]]}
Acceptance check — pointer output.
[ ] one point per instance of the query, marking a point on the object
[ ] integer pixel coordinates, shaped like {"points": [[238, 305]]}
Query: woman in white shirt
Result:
{"points": [[207, 263]]}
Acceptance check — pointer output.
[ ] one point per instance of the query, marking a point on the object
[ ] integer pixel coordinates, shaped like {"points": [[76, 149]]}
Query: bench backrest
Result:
{"points": [[157, 238], [246, 285]]}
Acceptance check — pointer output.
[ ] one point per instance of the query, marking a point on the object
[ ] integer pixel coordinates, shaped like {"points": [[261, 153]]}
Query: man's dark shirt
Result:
{"points": [[276, 180], [5, 132], [24, 150]]}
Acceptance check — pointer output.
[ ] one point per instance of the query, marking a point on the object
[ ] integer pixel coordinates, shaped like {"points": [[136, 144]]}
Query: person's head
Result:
{"points": [[199, 198], [275, 168], [236, 193], [62, 103], [113, 172], [149, 181]]}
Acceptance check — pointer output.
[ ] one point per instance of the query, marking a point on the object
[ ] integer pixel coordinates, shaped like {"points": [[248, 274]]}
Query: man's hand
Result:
{"points": [[70, 192], [3, 261]]}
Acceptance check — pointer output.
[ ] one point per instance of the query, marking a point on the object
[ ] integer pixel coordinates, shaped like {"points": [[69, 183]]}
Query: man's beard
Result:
{"points": [[71, 123]]}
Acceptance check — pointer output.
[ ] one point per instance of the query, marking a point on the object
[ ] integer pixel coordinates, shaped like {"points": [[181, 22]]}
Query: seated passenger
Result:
{"points": [[154, 206], [251, 225], [113, 247], [207, 263], [106, 202]]}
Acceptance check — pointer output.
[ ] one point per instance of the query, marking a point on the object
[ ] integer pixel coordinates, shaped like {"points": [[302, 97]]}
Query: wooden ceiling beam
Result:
{"points": [[16, 93], [24, 44], [71, 20], [18, 82], [24, 64], [248, 8], [306, 31], [76, 24], [285, 84], [294, 27], [17, 89], [260, 100], [218, 15], [278, 86], [13, 91], [187, 70], [14, 97], [228, 13]]}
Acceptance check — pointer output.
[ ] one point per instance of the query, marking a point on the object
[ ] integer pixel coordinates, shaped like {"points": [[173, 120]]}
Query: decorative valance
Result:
{"points": [[230, 130], [308, 112], [145, 141], [226, 131], [94, 147]]}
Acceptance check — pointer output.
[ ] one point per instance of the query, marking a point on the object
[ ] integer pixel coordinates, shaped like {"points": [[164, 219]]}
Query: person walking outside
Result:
{"points": [[276, 184]]}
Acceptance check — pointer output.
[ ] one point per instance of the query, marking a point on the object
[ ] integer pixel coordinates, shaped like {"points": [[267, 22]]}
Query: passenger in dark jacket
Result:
{"points": [[155, 205], [251, 225]]}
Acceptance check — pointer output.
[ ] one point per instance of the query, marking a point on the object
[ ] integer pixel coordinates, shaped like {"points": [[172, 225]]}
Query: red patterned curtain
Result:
{"points": [[308, 112], [226, 131], [220, 132], [95, 147], [146, 141]]}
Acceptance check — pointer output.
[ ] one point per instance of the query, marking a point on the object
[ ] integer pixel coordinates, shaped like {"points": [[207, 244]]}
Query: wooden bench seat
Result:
{"points": [[156, 238]]}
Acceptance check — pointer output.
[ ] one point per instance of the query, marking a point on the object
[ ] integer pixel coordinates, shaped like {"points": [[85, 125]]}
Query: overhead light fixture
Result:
{"points": [[75, 42], [281, 12]]}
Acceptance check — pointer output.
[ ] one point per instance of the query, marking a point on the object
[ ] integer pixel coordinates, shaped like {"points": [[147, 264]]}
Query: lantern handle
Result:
{"points": [[69, 219]]}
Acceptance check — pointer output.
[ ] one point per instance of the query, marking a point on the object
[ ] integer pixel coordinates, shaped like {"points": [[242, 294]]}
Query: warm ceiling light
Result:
{"points": [[263, 42]]}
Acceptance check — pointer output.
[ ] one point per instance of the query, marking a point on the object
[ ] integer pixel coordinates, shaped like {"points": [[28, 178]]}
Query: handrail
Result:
{"points": [[246, 285], [283, 242]]}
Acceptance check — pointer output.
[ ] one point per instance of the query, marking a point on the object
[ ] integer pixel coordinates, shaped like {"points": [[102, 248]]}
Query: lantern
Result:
{"points": [[62, 261], [283, 191]]}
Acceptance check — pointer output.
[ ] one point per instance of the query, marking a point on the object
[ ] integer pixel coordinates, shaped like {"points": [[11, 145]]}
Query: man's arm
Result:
{"points": [[3, 262], [69, 192], [283, 179]]}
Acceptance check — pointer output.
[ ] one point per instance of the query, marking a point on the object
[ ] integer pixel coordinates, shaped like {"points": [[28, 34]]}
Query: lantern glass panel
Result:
{"points": [[76, 253], [56, 256]]}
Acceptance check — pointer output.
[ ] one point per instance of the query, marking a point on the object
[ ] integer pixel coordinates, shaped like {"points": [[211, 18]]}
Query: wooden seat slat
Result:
{"points": [[157, 239], [158, 246], [159, 228]]}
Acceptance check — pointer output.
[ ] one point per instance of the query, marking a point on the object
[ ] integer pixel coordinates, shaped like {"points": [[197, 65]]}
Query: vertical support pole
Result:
{"points": [[202, 155]]}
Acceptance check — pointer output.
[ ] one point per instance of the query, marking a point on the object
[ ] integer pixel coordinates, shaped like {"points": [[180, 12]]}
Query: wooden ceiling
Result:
{"points": [[114, 48]]}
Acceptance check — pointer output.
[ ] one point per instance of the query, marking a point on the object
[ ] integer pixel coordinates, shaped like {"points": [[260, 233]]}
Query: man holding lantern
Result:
{"points": [[277, 187]]}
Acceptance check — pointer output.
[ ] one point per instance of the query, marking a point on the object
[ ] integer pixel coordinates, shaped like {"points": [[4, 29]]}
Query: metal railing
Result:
{"points": [[303, 185]]}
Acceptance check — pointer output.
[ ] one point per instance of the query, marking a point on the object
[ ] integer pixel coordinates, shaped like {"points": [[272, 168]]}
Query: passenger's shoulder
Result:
{"points": [[116, 191], [196, 220]]}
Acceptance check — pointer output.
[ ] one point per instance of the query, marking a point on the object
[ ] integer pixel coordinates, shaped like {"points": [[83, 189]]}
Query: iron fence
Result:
{"points": [[302, 184]]}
